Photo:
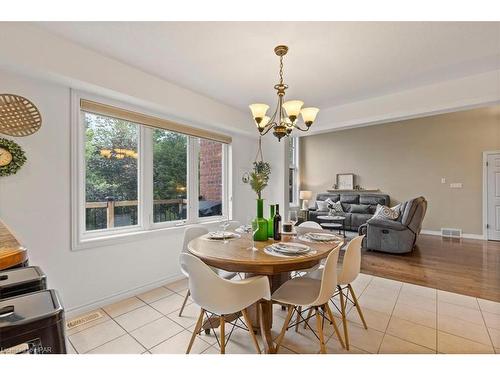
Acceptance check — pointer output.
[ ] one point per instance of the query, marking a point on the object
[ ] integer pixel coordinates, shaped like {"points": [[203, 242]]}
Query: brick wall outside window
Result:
{"points": [[210, 170]]}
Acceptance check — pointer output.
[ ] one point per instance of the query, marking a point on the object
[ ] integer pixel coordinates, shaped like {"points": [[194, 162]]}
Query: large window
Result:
{"points": [[293, 175], [210, 178], [169, 176], [111, 173], [130, 175]]}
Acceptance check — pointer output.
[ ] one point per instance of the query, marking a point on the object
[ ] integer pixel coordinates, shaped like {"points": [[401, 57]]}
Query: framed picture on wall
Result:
{"points": [[345, 181]]}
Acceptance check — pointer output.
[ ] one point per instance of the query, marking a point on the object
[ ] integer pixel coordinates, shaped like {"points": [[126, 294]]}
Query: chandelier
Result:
{"points": [[286, 114]]}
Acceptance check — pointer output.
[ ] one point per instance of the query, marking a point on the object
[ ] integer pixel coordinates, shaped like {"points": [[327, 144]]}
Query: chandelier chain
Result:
{"points": [[281, 70]]}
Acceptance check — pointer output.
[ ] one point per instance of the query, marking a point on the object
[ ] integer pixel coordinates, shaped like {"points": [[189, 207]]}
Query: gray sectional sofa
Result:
{"points": [[358, 207]]}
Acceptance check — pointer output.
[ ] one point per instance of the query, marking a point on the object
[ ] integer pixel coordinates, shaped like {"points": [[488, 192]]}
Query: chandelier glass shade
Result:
{"points": [[285, 117]]}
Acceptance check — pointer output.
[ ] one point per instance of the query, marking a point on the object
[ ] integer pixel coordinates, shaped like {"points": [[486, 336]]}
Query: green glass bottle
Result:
{"points": [[270, 229], [261, 234]]}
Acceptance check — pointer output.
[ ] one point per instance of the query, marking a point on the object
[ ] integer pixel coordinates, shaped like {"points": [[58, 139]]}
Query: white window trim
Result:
{"points": [[80, 238], [295, 203]]}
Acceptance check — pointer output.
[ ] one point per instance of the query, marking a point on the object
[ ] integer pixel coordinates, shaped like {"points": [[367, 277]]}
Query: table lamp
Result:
{"points": [[305, 195]]}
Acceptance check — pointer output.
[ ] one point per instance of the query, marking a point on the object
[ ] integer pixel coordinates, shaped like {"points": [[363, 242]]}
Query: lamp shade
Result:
{"points": [[292, 107], [258, 110], [305, 194], [309, 114]]}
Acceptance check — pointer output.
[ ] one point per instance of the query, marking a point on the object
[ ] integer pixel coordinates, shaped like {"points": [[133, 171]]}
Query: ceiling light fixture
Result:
{"points": [[286, 114]]}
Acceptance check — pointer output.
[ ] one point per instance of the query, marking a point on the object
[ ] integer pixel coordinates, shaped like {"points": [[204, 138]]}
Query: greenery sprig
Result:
{"points": [[259, 177], [18, 157]]}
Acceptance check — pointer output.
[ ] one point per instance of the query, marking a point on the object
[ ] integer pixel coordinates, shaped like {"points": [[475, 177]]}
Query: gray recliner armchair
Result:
{"points": [[398, 236]]}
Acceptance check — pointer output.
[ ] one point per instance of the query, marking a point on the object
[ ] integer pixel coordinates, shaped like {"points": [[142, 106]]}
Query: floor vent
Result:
{"points": [[84, 319], [451, 232]]}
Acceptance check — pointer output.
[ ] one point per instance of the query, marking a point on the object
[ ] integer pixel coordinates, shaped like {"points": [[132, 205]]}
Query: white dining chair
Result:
{"points": [[221, 297], [303, 294], [351, 266], [310, 224], [303, 228], [190, 234]]}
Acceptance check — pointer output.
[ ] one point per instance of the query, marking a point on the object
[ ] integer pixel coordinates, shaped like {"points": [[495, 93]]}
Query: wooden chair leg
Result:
{"points": [[355, 299], [248, 322], [344, 319], [188, 293], [283, 330], [335, 327], [222, 335], [309, 314], [298, 319], [319, 326], [196, 330]]}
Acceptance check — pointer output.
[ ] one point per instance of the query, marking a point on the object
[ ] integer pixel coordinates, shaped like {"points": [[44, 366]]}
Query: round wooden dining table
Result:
{"points": [[236, 256]]}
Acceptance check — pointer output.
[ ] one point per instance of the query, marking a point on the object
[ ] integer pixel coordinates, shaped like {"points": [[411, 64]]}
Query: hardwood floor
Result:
{"points": [[465, 266]]}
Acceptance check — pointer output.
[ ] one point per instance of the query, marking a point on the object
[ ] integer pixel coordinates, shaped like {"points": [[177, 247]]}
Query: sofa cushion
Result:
{"points": [[335, 206], [322, 205], [359, 209], [387, 213], [359, 219]]}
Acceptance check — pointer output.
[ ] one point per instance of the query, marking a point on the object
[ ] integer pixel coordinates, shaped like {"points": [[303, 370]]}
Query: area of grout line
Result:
{"points": [[487, 330], [390, 318]]}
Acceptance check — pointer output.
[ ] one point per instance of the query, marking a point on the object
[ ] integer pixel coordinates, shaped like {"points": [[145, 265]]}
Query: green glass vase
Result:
{"points": [[261, 234], [270, 227]]}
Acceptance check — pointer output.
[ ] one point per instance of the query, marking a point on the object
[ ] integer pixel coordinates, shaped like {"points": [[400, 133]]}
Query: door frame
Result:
{"points": [[485, 191]]}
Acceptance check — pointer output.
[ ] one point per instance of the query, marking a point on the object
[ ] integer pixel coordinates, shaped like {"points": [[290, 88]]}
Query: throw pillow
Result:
{"points": [[360, 209], [335, 206], [387, 213], [322, 205]]}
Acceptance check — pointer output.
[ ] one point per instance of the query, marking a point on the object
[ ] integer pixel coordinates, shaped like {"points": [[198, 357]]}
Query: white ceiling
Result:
{"points": [[329, 63]]}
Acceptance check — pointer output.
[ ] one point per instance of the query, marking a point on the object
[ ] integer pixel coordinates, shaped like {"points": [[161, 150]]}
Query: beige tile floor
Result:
{"points": [[402, 318]]}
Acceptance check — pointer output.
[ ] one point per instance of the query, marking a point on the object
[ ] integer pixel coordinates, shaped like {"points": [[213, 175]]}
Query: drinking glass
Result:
{"points": [[252, 223], [292, 218], [224, 226]]}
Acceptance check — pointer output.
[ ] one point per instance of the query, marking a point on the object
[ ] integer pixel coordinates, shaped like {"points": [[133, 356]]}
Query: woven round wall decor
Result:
{"points": [[18, 116]]}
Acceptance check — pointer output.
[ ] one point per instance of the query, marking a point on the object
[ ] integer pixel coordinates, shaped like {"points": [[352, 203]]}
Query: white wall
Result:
{"points": [[35, 203]]}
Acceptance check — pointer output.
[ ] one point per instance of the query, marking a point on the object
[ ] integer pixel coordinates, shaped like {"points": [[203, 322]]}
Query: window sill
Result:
{"points": [[136, 235]]}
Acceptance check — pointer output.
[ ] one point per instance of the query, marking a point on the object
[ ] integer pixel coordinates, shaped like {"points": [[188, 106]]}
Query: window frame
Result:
{"points": [[83, 239], [294, 165]]}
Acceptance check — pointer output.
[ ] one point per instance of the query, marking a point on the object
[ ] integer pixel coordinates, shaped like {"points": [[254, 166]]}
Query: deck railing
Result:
{"points": [[111, 204]]}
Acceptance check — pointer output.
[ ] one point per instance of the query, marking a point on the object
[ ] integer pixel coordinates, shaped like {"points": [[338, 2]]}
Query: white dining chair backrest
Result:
{"points": [[351, 265], [191, 233], [218, 295], [329, 278], [310, 224]]}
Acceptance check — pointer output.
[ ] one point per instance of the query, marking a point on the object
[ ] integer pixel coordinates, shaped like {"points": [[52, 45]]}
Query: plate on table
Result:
{"points": [[290, 248], [321, 237], [221, 235], [244, 229]]}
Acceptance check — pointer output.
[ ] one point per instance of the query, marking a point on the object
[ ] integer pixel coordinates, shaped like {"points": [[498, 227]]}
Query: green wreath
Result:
{"points": [[18, 157]]}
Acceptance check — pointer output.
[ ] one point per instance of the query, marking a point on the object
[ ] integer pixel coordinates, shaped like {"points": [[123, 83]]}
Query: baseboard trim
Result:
{"points": [[82, 309], [464, 235]]}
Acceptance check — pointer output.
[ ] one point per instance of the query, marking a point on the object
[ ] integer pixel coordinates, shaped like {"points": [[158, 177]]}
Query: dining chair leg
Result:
{"points": [[344, 319], [319, 326], [335, 327], [309, 314], [188, 293], [222, 335], [250, 329], [355, 299], [299, 312], [285, 326], [196, 330]]}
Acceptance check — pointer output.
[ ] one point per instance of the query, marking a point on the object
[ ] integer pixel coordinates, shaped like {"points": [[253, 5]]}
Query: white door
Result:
{"points": [[493, 168]]}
